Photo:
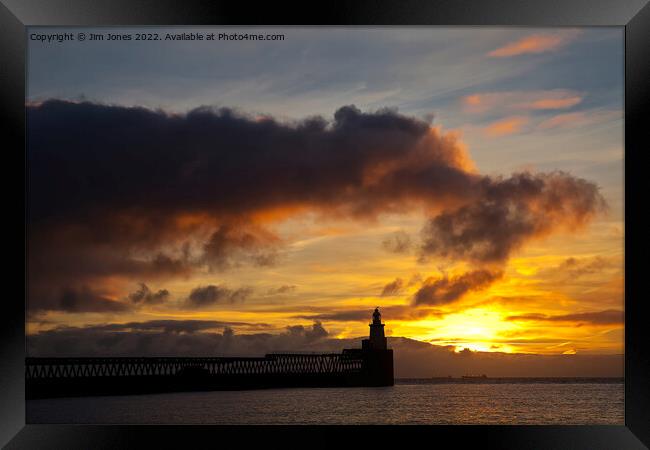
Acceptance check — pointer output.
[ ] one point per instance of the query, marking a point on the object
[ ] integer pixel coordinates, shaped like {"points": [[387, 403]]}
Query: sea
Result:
{"points": [[540, 401]]}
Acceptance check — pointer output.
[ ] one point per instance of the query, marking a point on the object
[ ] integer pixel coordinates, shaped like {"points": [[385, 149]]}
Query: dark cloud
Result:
{"points": [[176, 338], [607, 317], [144, 295], [74, 263], [443, 290], [162, 264], [510, 212], [99, 342], [217, 161], [398, 242], [81, 300], [208, 295], [203, 296], [314, 333], [99, 260], [229, 246], [393, 288], [111, 186]]}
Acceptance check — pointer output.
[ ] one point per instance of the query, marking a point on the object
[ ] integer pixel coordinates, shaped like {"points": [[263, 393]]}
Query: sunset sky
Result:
{"points": [[469, 181]]}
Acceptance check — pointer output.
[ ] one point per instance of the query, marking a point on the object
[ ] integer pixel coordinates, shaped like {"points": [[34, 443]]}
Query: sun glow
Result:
{"points": [[477, 329]]}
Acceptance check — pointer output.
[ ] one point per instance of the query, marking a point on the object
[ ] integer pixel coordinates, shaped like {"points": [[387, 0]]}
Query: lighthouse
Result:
{"points": [[377, 357]]}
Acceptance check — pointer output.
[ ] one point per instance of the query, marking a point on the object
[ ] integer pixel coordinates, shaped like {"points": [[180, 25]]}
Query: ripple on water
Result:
{"points": [[520, 403]]}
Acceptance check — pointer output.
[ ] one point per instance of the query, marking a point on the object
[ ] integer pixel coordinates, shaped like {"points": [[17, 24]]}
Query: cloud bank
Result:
{"points": [[203, 296], [440, 291], [141, 195]]}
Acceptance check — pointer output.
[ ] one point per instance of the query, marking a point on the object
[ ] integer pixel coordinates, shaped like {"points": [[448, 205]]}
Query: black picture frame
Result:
{"points": [[634, 15]]}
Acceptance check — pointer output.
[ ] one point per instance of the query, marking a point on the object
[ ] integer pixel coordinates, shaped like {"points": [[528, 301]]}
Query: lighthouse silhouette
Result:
{"points": [[378, 358]]}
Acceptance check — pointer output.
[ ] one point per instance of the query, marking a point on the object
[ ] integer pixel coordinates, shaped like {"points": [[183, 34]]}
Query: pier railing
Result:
{"points": [[272, 364]]}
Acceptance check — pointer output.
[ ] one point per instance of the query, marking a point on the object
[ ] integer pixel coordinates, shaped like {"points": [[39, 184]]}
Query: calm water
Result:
{"points": [[408, 402]]}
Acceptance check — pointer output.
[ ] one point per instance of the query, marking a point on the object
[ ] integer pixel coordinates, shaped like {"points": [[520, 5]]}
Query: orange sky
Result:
{"points": [[496, 228], [328, 265]]}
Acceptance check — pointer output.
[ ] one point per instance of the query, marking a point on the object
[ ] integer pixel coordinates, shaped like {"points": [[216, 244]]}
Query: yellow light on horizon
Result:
{"points": [[478, 329]]}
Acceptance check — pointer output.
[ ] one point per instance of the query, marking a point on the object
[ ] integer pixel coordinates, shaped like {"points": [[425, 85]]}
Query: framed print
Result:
{"points": [[414, 220]]}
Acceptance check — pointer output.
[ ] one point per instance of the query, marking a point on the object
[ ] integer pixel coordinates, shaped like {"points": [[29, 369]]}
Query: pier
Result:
{"points": [[371, 365]]}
